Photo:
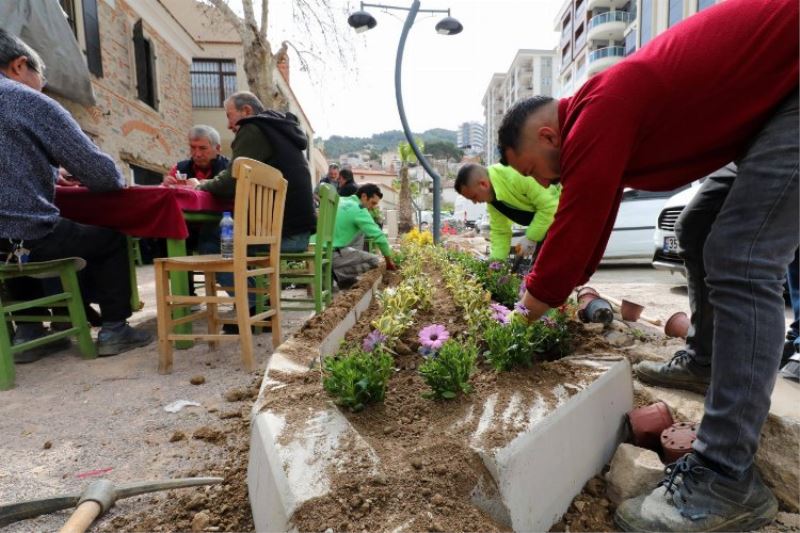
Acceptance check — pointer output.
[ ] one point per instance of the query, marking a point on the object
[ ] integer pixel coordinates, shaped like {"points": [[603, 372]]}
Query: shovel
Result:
{"points": [[93, 502]]}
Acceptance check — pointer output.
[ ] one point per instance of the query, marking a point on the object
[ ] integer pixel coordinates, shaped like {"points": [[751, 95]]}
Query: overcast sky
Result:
{"points": [[444, 77]]}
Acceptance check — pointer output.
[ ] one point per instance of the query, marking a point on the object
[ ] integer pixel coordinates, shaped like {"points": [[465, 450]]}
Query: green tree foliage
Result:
{"points": [[444, 150], [337, 145]]}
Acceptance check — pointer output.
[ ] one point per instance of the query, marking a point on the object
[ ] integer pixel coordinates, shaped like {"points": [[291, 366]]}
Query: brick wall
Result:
{"points": [[123, 126]]}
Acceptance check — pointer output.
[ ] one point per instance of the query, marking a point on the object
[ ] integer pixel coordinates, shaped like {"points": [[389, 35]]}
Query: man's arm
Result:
{"points": [[366, 225], [249, 142], [545, 203], [499, 234], [67, 146]]}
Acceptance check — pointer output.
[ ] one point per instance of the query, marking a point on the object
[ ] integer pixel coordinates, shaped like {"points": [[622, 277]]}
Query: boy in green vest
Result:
{"points": [[512, 198]]}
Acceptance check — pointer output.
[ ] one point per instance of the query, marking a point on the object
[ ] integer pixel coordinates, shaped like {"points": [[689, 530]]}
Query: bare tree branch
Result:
{"points": [[264, 18]]}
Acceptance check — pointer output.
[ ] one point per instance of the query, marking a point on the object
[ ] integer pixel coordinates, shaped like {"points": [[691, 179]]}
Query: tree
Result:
{"points": [[444, 150], [405, 214], [315, 17]]}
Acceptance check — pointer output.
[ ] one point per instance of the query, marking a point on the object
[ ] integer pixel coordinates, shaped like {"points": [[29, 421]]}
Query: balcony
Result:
{"points": [[609, 26], [609, 4], [603, 58], [566, 34]]}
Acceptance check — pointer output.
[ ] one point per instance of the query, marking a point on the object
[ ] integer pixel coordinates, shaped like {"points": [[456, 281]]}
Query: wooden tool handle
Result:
{"points": [[82, 518]]}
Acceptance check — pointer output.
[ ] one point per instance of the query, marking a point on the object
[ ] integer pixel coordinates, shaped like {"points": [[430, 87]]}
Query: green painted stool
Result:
{"points": [[71, 299], [319, 273]]}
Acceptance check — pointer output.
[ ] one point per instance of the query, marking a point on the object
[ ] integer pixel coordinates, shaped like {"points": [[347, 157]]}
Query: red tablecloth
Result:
{"points": [[138, 211]]}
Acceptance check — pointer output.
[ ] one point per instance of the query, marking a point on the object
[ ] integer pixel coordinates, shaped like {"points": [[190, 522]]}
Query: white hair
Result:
{"points": [[201, 131]]}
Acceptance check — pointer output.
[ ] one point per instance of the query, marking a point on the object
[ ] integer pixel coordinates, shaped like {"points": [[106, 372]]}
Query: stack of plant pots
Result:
{"points": [[652, 427]]}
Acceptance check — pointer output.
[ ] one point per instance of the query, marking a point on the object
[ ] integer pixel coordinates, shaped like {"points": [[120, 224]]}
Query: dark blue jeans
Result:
{"points": [[752, 240]]}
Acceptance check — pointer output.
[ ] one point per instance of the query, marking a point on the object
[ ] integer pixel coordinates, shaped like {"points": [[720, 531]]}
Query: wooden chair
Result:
{"points": [[65, 269], [258, 216], [318, 271]]}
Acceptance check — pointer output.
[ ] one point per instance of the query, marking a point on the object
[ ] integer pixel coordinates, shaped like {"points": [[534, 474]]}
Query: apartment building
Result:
{"points": [[597, 34], [531, 72], [470, 137]]}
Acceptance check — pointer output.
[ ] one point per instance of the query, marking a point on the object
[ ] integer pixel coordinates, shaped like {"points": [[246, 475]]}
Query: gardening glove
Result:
{"points": [[526, 247], [390, 264]]}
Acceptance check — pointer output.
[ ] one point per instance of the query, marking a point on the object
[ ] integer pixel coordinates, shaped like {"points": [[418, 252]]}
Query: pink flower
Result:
{"points": [[433, 336], [495, 265], [499, 312], [520, 308]]}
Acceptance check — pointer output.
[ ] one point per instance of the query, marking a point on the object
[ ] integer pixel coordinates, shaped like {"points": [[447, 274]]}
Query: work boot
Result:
{"points": [[30, 332], [681, 372], [692, 497], [118, 338], [789, 349]]}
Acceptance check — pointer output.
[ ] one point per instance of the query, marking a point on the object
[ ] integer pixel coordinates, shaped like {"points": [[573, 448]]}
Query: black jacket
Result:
{"points": [[218, 164]]}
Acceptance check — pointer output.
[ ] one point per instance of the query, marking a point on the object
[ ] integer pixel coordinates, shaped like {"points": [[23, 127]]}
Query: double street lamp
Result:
{"points": [[362, 21]]}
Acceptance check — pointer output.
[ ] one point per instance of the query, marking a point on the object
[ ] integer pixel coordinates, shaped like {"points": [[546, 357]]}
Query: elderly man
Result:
{"points": [[720, 86], [36, 135], [204, 162]]}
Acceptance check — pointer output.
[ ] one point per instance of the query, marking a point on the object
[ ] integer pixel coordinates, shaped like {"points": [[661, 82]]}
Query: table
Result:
{"points": [[148, 212]]}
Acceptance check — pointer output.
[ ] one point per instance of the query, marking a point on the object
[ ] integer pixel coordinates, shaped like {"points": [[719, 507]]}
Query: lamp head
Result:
{"points": [[449, 26], [361, 21]]}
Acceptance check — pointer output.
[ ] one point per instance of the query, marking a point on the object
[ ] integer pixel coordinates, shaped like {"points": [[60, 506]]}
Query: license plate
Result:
{"points": [[670, 245]]}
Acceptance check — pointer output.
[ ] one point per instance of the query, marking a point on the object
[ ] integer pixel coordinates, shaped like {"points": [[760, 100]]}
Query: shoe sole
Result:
{"points": [[692, 386], [107, 351], [751, 521]]}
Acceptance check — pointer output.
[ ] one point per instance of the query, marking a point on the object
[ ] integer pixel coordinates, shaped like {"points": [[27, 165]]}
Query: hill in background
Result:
{"points": [[337, 145]]}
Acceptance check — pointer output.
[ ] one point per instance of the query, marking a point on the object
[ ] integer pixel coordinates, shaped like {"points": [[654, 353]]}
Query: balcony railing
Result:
{"points": [[610, 16], [609, 51]]}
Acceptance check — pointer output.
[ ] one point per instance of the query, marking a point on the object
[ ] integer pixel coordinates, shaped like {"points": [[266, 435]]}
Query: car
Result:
{"points": [[665, 242], [631, 239]]}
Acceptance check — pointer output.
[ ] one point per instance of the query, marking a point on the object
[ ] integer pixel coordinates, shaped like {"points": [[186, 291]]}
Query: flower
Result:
{"points": [[495, 265], [522, 289], [499, 312], [520, 308], [549, 322], [433, 336], [427, 353], [372, 340]]}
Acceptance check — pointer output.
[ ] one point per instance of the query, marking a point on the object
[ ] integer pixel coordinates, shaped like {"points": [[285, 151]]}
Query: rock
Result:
{"points": [[47, 445], [776, 459], [437, 499], [593, 328], [196, 502], [633, 471], [236, 395], [197, 380], [416, 463], [200, 521], [579, 506], [177, 436], [230, 414], [595, 487], [790, 520], [617, 338]]}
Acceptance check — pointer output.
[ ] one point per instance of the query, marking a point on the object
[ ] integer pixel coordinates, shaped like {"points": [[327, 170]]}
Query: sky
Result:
{"points": [[444, 77]]}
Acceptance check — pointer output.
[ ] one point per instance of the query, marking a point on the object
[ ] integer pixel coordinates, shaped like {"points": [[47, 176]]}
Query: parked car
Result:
{"points": [[665, 241], [631, 239]]}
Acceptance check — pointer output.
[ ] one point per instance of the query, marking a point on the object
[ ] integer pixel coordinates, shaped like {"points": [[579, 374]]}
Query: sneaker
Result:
{"points": [[789, 349], [692, 497], [113, 341], [681, 372], [34, 354], [791, 370]]}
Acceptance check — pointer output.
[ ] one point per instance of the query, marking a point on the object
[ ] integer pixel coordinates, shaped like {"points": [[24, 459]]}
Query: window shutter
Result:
{"points": [[91, 28], [140, 57]]}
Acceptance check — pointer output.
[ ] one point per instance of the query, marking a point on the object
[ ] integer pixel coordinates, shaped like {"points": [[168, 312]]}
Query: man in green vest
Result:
{"points": [[353, 223], [512, 198]]}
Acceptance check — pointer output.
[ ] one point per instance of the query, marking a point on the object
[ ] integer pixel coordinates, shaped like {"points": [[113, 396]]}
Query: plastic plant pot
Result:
{"points": [[648, 423], [677, 440], [597, 310], [677, 325], [630, 311]]}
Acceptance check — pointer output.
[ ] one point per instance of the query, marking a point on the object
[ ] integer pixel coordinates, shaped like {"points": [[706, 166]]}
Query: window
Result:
{"points": [[647, 22], [675, 12], [213, 80], [630, 42], [145, 67], [145, 176], [89, 23], [702, 4]]}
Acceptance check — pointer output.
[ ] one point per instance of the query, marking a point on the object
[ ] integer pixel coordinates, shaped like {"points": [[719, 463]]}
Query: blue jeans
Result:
{"points": [[208, 243], [751, 243]]}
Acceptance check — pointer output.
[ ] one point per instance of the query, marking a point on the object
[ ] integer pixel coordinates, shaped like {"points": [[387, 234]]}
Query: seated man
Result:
{"points": [[512, 198], [331, 178], [347, 183], [204, 161], [36, 134], [353, 223]]}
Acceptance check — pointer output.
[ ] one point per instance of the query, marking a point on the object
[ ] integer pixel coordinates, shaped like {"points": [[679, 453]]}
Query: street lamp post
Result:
{"points": [[363, 21]]}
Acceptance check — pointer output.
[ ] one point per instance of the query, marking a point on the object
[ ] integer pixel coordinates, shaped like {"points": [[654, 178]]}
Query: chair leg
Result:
{"points": [[212, 308], [7, 371], [317, 286], [163, 319], [275, 303], [261, 299], [243, 319], [77, 313]]}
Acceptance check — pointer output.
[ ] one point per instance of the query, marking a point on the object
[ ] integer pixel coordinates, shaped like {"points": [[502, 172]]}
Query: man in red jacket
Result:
{"points": [[720, 86]]}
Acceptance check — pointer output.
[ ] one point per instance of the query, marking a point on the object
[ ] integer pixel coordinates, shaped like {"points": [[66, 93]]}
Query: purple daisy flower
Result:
{"points": [[499, 312], [503, 280], [495, 265], [522, 289], [549, 322], [372, 340], [520, 308], [433, 336]]}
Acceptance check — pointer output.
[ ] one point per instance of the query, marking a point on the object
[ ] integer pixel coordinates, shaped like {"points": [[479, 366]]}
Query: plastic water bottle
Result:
{"points": [[226, 235]]}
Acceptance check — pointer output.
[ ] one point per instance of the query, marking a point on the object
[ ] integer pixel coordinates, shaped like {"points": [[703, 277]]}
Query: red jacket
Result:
{"points": [[684, 105]]}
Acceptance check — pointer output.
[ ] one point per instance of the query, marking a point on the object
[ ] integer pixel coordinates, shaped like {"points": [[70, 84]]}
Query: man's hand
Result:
{"points": [[192, 183], [536, 308], [65, 179], [526, 247], [171, 181], [390, 264]]}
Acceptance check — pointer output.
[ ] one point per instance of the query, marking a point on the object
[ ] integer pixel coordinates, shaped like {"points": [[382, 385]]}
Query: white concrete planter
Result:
{"points": [[534, 477]]}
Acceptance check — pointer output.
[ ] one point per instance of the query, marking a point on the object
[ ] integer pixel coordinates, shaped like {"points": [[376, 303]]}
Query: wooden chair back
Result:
{"points": [[260, 199]]}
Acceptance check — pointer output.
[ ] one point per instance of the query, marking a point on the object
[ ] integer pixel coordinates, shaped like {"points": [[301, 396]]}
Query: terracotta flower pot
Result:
{"points": [[647, 424], [587, 290], [677, 440], [597, 310], [630, 311], [677, 325], [585, 298]]}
